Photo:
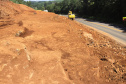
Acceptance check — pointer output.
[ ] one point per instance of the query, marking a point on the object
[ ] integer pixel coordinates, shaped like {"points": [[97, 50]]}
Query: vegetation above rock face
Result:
{"points": [[108, 10]]}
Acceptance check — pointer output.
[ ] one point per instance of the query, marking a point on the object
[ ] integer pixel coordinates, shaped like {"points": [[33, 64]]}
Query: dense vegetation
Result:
{"points": [[107, 10]]}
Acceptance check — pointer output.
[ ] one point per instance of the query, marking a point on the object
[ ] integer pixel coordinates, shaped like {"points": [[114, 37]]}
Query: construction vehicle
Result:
{"points": [[71, 16]]}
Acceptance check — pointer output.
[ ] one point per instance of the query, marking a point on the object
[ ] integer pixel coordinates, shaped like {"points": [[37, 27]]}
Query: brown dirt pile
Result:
{"points": [[8, 8], [37, 47]]}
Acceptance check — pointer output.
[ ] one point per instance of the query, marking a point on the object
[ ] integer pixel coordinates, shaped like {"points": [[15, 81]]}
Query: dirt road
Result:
{"points": [[37, 47]]}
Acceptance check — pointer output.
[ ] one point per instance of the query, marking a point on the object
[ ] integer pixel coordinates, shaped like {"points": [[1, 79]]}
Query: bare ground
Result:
{"points": [[37, 47]]}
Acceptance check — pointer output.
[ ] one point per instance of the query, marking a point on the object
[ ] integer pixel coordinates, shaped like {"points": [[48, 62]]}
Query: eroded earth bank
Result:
{"points": [[37, 47]]}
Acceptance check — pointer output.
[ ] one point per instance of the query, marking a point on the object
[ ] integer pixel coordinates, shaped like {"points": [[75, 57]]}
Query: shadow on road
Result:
{"points": [[118, 26]]}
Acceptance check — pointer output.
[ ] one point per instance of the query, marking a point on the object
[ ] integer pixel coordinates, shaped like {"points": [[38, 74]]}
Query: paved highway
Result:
{"points": [[118, 33]]}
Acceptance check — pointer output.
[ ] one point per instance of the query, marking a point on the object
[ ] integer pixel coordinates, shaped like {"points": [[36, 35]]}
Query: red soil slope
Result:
{"points": [[37, 47]]}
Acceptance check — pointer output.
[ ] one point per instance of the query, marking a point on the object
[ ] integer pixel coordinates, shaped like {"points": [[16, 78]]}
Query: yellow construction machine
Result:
{"points": [[71, 16]]}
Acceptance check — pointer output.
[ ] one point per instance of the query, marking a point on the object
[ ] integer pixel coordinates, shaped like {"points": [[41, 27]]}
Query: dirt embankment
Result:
{"points": [[37, 47]]}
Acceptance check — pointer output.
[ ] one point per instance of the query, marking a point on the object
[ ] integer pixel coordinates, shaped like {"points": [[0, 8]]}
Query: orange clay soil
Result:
{"points": [[38, 47]]}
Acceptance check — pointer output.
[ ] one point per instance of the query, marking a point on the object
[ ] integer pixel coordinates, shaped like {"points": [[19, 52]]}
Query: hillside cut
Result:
{"points": [[38, 47]]}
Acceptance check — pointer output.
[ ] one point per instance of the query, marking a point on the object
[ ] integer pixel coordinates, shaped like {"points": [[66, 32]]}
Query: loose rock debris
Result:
{"points": [[57, 50]]}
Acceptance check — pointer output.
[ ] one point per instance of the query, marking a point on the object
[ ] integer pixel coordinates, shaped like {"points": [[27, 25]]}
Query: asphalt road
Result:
{"points": [[116, 32]]}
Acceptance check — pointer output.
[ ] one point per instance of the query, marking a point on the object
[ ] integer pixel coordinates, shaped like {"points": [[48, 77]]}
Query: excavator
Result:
{"points": [[71, 16]]}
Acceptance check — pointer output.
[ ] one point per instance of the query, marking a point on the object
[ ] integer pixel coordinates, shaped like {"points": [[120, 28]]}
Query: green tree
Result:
{"points": [[28, 3], [50, 8], [42, 8], [57, 8]]}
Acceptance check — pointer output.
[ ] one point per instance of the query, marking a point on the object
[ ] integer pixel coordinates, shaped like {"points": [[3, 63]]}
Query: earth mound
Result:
{"points": [[38, 47]]}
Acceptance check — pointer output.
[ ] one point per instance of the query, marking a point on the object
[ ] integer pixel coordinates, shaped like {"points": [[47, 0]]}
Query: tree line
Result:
{"points": [[107, 10]]}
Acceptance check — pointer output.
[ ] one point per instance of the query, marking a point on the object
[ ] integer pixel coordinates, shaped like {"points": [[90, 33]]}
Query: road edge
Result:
{"points": [[121, 42]]}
